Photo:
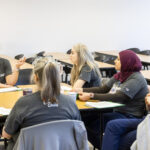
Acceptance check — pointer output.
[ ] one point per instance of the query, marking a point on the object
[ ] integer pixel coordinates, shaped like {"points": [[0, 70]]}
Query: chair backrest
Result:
{"points": [[136, 50], [68, 51], [30, 60], [19, 56], [41, 54], [145, 52], [24, 77], [55, 135], [101, 58]]}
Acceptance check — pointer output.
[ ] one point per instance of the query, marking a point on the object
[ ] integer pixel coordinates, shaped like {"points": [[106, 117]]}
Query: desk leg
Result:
{"points": [[101, 128]]}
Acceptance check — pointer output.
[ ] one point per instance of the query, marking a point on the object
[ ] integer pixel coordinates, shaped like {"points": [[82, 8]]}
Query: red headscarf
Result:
{"points": [[130, 63]]}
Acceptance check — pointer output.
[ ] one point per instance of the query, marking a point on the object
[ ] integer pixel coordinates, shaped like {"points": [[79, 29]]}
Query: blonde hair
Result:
{"points": [[48, 80], [84, 57]]}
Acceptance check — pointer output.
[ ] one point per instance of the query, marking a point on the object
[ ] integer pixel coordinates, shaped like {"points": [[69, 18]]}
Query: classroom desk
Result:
{"points": [[14, 61], [8, 99], [146, 74], [64, 58]]}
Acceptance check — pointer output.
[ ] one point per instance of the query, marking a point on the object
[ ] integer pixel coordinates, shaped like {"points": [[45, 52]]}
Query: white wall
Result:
{"points": [[29, 26]]}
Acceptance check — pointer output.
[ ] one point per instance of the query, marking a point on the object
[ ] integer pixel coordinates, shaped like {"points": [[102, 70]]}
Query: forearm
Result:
{"points": [[12, 79], [117, 97], [101, 89], [4, 85], [5, 134]]}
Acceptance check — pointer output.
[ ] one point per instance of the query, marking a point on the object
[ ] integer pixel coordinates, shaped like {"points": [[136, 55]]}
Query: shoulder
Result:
{"points": [[28, 100], [65, 100], [5, 61], [136, 76], [86, 68]]}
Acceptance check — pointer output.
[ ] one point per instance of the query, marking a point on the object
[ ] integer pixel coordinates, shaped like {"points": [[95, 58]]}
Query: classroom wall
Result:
{"points": [[30, 26]]}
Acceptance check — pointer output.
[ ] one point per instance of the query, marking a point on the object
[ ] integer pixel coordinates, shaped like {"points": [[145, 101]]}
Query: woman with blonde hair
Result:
{"points": [[47, 104], [85, 71]]}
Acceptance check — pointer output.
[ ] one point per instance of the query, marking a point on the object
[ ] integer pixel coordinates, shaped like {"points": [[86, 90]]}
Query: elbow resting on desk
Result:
{"points": [[5, 134]]}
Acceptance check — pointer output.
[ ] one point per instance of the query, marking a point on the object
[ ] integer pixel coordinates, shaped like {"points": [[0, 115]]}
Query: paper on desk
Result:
{"points": [[10, 89], [65, 88], [4, 111], [102, 104]]}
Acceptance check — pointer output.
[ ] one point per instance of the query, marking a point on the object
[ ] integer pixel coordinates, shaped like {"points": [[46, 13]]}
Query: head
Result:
{"points": [[80, 55], [47, 78], [118, 64], [128, 61]]}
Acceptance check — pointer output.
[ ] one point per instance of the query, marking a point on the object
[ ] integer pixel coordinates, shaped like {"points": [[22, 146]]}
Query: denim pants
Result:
{"points": [[120, 133]]}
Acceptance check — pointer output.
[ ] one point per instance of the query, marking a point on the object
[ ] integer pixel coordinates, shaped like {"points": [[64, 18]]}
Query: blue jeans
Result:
{"points": [[120, 133]]}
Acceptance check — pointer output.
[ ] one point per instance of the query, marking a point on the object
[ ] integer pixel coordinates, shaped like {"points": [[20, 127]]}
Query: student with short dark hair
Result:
{"points": [[47, 104], [8, 77]]}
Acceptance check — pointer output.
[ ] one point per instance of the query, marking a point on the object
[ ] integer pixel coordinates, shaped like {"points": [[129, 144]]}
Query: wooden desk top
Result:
{"points": [[143, 58], [65, 59], [8, 99], [146, 74], [13, 62]]}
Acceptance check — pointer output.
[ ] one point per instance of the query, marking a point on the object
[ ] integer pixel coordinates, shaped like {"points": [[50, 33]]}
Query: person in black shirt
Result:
{"points": [[8, 77]]}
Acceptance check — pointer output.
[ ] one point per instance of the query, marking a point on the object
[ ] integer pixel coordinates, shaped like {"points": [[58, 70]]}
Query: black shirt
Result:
{"points": [[90, 77], [5, 69]]}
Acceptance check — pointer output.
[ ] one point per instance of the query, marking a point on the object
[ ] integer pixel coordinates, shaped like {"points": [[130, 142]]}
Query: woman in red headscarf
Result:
{"points": [[128, 87]]}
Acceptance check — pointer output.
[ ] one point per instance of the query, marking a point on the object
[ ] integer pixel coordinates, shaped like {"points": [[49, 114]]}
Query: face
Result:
{"points": [[74, 56], [118, 64]]}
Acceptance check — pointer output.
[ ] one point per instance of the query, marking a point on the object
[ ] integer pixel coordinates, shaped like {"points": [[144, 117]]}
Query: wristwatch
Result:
{"points": [[91, 95]]}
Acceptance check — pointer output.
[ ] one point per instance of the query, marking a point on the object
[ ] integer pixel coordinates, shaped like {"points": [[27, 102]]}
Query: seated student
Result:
{"points": [[47, 104], [7, 77], [127, 87], [85, 72], [121, 133]]}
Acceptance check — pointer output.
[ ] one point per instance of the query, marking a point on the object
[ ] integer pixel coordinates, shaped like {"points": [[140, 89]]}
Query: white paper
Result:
{"points": [[102, 104], [65, 88], [4, 111], [9, 89]]}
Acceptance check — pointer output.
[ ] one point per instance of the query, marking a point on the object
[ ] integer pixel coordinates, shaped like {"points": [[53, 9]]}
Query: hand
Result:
{"points": [[20, 62], [5, 85], [78, 90], [147, 101], [84, 96]]}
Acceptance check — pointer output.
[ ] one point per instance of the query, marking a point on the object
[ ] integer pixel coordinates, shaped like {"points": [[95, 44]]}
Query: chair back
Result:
{"points": [[24, 77], [136, 50], [40, 54], [145, 52], [30, 60], [55, 135], [19, 56]]}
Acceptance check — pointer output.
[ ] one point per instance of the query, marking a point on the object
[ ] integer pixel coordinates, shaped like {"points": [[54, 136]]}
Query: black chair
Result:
{"points": [[69, 51], [30, 60], [67, 70], [102, 58], [24, 77], [40, 54], [19, 56], [136, 50], [111, 60], [145, 52]]}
